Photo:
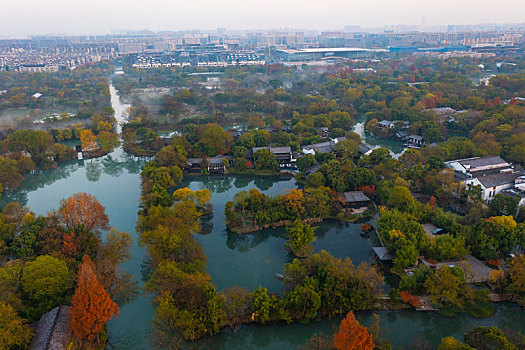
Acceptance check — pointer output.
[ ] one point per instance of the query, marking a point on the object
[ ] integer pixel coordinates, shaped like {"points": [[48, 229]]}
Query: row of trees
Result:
{"points": [[320, 285], [187, 305]]}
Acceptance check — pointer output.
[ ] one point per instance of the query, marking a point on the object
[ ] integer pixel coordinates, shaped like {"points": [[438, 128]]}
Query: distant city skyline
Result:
{"points": [[72, 17]]}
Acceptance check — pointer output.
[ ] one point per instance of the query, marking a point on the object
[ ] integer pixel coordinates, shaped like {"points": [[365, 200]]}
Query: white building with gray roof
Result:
{"points": [[492, 174]]}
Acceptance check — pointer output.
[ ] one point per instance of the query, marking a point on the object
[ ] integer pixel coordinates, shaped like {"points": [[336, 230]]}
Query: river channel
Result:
{"points": [[247, 260]]}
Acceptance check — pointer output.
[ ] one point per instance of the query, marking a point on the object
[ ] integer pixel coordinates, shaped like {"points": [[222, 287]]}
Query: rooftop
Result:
{"points": [[356, 196], [53, 330], [281, 150], [363, 149], [326, 50], [442, 110], [498, 179], [313, 169], [482, 162], [383, 254]]}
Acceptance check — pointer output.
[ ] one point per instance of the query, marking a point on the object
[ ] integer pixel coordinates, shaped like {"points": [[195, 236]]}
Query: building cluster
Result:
{"points": [[285, 156], [51, 59], [219, 48], [212, 58], [493, 175]]}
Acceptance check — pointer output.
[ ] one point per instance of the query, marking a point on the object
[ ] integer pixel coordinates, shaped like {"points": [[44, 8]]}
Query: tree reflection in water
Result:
{"points": [[93, 170], [245, 242], [112, 164], [112, 167]]}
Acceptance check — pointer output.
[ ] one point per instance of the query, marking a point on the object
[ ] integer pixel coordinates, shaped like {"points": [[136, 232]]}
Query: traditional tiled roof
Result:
{"points": [[324, 147], [385, 123], [53, 331], [383, 254], [493, 180], [483, 161], [313, 169], [416, 137], [274, 150], [364, 148], [356, 196]]}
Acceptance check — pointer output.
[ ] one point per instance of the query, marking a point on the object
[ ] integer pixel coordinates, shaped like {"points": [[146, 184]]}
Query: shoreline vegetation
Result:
{"points": [[251, 211], [187, 304]]}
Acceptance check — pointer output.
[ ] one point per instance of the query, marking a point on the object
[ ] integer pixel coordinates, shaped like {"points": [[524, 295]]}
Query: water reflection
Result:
{"points": [[93, 170], [246, 242], [401, 327], [113, 167], [113, 164], [374, 141]]}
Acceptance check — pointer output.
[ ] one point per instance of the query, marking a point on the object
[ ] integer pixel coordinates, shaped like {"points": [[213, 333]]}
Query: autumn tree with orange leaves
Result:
{"points": [[83, 209], [91, 307], [352, 336], [293, 202], [408, 298], [88, 140]]}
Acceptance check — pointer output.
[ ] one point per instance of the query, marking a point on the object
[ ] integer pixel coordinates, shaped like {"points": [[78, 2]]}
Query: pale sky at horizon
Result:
{"points": [[32, 17]]}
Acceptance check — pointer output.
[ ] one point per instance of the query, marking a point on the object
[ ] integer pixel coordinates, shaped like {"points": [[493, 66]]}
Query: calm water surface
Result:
{"points": [[254, 259]]}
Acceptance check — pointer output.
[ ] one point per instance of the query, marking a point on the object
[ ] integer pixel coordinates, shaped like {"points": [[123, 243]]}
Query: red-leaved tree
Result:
{"points": [[91, 307], [352, 336], [408, 298], [84, 209]]}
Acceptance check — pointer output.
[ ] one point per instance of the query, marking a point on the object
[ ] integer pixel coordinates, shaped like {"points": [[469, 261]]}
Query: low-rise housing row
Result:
{"points": [[492, 174]]}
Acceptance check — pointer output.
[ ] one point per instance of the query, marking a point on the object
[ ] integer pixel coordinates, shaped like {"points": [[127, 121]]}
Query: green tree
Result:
{"points": [[400, 198], [405, 254], [107, 140], [516, 286], [45, 280], [172, 156], [490, 238], [262, 138], [10, 176], [491, 338], [451, 343], [348, 148], [303, 301], [264, 159], [315, 180], [261, 304], [360, 177], [379, 155], [447, 286], [214, 139], [305, 162], [35, 142], [242, 199], [300, 238], [15, 333]]}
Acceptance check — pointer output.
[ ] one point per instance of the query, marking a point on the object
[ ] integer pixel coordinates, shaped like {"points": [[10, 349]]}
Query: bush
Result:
{"points": [[408, 298], [366, 227]]}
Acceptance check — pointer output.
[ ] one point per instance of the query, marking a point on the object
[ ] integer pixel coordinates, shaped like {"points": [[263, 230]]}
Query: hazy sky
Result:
{"points": [[24, 17]]}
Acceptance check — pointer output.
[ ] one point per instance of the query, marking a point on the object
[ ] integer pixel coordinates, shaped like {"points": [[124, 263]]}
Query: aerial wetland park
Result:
{"points": [[164, 193]]}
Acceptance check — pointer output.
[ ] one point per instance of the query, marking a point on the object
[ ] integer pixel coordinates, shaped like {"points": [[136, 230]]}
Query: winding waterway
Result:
{"points": [[244, 260], [374, 141]]}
